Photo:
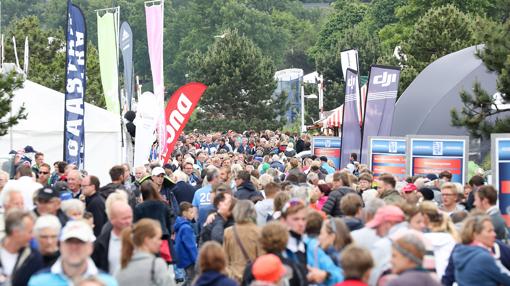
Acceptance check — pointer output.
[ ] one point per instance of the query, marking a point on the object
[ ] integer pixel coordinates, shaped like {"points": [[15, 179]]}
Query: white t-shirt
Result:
{"points": [[8, 261], [114, 249]]}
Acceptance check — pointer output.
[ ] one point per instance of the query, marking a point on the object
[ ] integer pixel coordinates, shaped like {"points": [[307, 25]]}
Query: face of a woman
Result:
{"points": [[224, 206], [487, 236], [417, 222], [399, 263], [153, 244], [326, 239]]}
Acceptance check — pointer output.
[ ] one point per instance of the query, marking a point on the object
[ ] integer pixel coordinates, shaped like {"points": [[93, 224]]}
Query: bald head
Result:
{"points": [[121, 216]]}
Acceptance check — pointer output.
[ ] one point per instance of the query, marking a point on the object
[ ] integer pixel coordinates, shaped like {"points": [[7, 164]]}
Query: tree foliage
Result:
{"points": [[8, 84], [482, 114], [240, 86]]}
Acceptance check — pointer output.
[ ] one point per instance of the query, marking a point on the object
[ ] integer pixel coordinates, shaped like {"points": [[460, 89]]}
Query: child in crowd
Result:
{"points": [[185, 245], [356, 263]]}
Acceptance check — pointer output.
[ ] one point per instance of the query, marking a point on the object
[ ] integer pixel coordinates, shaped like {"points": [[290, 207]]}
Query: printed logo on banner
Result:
{"points": [[385, 79], [437, 148], [393, 147], [350, 82], [327, 143]]}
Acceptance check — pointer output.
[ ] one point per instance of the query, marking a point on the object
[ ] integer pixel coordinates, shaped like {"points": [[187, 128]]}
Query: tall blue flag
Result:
{"points": [[351, 131], [76, 52], [380, 104]]}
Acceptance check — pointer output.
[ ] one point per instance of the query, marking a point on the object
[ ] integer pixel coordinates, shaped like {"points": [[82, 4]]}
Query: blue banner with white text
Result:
{"points": [[380, 104], [351, 131], [76, 51]]}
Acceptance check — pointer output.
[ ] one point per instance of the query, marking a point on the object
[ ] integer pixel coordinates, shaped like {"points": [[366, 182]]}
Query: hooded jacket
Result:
{"points": [[332, 205], [213, 278], [185, 246], [476, 266], [442, 244], [247, 191]]}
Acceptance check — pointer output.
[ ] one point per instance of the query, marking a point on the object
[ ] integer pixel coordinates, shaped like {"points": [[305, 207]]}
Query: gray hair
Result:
{"points": [[265, 179], [371, 206], [244, 211], [47, 221], [180, 176], [300, 192], [312, 177], [12, 187], [72, 205]]}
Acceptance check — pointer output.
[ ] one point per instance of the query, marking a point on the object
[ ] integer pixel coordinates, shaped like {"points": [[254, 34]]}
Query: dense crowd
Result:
{"points": [[246, 209]]}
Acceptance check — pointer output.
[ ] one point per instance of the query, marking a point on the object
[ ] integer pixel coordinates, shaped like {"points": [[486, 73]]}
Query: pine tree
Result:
{"points": [[480, 106], [8, 84], [240, 82]]}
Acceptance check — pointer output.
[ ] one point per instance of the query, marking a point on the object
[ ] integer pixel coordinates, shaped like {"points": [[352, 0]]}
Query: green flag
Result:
{"points": [[108, 58]]}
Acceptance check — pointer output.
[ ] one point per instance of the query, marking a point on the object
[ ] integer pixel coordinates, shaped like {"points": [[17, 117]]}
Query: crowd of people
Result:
{"points": [[246, 209]]}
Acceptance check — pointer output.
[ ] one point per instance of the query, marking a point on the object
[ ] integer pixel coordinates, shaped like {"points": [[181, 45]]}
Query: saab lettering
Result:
{"points": [[75, 106], [74, 127], [385, 79], [72, 148], [177, 116]]}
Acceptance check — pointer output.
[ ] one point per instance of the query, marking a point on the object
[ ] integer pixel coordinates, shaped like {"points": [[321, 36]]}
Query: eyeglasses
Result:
{"points": [[448, 195]]}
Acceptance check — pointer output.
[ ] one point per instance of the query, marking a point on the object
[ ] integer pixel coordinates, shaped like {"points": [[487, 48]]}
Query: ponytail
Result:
{"points": [[133, 237], [128, 247]]}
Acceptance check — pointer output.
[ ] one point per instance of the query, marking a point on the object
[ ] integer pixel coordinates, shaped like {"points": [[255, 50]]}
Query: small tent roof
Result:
{"points": [[424, 107]]}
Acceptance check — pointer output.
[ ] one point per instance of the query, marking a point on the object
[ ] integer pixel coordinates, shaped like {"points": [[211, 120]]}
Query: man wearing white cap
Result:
{"points": [[74, 263]]}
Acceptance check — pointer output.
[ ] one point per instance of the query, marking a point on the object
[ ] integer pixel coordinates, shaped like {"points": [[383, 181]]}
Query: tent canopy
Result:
{"points": [[43, 129], [424, 107]]}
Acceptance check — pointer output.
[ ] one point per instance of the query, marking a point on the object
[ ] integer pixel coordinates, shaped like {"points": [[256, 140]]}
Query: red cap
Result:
{"points": [[268, 268], [409, 188], [386, 214]]}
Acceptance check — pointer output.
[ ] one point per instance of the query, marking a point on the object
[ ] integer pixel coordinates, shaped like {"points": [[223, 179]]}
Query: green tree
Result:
{"points": [[8, 84], [47, 58], [439, 32], [240, 86], [479, 106]]}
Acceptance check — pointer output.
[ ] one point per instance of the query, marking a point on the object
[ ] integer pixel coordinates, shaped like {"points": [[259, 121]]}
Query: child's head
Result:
{"points": [[187, 210], [356, 262]]}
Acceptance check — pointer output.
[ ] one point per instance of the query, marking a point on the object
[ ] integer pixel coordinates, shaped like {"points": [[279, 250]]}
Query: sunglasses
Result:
{"points": [[44, 173]]}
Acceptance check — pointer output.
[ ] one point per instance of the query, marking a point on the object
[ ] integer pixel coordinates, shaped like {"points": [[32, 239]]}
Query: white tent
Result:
{"points": [[43, 129]]}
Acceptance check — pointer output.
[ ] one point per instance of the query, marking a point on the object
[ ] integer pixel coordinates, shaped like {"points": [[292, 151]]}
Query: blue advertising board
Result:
{"points": [[501, 171], [387, 155], [435, 154], [329, 147]]}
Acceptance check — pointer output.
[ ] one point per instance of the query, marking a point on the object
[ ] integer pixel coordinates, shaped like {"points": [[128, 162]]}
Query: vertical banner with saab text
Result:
{"points": [[434, 154], [76, 83], [380, 104], [329, 147], [387, 155], [351, 131], [501, 171], [179, 110]]}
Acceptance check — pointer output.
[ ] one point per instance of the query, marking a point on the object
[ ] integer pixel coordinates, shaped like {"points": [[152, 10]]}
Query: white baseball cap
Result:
{"points": [[157, 171], [77, 229]]}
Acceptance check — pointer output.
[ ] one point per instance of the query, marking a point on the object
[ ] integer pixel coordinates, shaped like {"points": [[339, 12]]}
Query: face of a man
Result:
{"points": [[75, 252], [121, 216], [139, 173], [87, 188], [47, 238], [297, 222], [15, 202], [158, 180], [74, 181], [44, 175], [48, 206], [188, 169], [39, 160], [364, 184], [449, 197], [24, 235]]}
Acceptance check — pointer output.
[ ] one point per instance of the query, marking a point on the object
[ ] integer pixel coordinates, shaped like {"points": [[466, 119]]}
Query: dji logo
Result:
{"points": [[385, 79], [351, 81]]}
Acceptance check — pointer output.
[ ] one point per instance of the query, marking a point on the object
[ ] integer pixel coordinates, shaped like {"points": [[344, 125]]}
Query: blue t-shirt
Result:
{"points": [[202, 201]]}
